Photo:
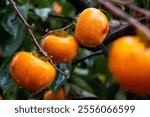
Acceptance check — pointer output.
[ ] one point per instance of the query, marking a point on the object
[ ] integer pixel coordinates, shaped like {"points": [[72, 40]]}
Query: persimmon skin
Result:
{"points": [[61, 49], [59, 95], [30, 72], [91, 28], [129, 62]]}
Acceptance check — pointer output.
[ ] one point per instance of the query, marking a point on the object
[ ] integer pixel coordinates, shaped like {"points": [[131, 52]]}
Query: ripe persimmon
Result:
{"points": [[57, 8], [129, 62], [61, 49], [30, 72], [59, 95], [91, 28]]}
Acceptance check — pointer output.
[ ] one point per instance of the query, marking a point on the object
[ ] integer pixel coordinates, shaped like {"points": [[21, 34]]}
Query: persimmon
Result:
{"points": [[30, 72], [91, 28], [61, 49], [59, 95], [129, 62], [57, 8]]}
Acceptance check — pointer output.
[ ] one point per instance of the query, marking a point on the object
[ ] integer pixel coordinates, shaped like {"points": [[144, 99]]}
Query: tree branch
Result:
{"points": [[58, 16], [122, 30], [113, 35], [71, 25], [28, 27], [133, 7], [99, 52], [121, 14]]}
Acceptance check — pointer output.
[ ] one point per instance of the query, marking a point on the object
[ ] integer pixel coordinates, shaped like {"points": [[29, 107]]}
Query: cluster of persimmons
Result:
{"points": [[127, 57]]}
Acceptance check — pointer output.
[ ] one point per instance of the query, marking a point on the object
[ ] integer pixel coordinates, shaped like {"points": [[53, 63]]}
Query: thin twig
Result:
{"points": [[64, 28], [121, 14], [60, 29], [67, 75], [99, 52], [28, 27], [133, 7], [58, 16], [103, 50], [122, 30]]}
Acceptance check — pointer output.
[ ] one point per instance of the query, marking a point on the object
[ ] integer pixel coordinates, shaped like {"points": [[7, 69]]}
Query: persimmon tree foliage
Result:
{"points": [[55, 49]]}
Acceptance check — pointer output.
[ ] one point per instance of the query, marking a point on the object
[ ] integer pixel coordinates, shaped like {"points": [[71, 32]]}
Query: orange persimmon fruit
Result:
{"points": [[57, 8], [59, 95], [129, 62], [62, 49], [91, 28], [30, 72]]}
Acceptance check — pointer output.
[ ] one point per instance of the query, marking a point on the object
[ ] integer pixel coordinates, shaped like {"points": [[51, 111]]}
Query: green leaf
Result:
{"points": [[24, 93], [80, 82], [68, 9], [13, 27], [76, 92], [41, 3], [14, 34], [5, 78], [81, 71], [42, 13], [118, 4], [100, 66], [121, 95], [9, 92], [60, 79]]}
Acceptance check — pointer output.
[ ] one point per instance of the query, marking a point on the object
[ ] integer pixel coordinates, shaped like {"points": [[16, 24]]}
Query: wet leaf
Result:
{"points": [[76, 92], [43, 13], [5, 78]]}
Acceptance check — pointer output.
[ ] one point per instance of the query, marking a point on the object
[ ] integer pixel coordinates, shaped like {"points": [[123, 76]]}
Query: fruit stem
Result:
{"points": [[71, 25]]}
